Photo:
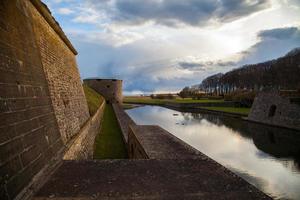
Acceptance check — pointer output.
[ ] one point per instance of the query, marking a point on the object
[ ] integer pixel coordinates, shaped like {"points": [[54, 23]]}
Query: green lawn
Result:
{"points": [[93, 98], [148, 100], [109, 142], [244, 111]]}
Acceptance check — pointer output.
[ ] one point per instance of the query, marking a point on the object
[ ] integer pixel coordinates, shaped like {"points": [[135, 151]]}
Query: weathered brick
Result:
{"points": [[36, 137], [11, 117], [10, 149], [3, 193], [6, 133], [26, 126], [9, 169], [15, 104], [16, 184], [51, 132], [4, 106], [29, 155], [45, 119], [38, 164]]}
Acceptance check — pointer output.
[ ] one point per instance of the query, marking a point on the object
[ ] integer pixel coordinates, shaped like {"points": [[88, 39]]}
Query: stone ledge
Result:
{"points": [[158, 143], [146, 179]]}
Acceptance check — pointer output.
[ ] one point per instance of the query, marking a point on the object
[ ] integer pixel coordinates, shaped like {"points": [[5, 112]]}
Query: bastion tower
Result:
{"points": [[110, 89]]}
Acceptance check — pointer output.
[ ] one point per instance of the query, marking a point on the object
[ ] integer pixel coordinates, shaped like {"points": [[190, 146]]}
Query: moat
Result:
{"points": [[266, 157]]}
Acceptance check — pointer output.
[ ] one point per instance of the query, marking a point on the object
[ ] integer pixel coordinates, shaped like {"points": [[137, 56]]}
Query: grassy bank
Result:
{"points": [[234, 110], [94, 99], [148, 100], [109, 142], [127, 106]]}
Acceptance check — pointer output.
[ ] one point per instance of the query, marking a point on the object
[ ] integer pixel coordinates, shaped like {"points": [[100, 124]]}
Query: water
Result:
{"points": [[266, 157]]}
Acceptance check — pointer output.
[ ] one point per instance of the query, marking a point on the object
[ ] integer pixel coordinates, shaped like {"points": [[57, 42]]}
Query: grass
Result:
{"points": [[129, 106], [243, 111], [148, 100], [94, 99], [109, 143]]}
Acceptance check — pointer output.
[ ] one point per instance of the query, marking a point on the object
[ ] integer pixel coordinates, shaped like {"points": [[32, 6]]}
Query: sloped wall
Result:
{"points": [[42, 104], [63, 78], [286, 113], [29, 135]]}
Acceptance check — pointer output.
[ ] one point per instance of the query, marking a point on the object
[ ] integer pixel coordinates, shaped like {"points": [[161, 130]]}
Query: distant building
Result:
{"points": [[280, 108], [110, 89]]}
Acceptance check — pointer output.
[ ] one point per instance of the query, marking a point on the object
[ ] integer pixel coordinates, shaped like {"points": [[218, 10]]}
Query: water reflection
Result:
{"points": [[265, 156]]}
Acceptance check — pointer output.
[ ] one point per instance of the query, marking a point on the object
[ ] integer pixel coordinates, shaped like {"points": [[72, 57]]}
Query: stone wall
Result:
{"points": [[82, 147], [110, 89], [42, 102], [270, 107], [153, 142], [63, 78], [124, 121], [29, 135]]}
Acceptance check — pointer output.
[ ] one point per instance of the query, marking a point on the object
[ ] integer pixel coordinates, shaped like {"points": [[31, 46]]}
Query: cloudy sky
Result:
{"points": [[164, 45]]}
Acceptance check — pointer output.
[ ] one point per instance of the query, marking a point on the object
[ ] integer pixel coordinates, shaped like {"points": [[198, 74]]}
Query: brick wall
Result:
{"points": [[110, 89], [286, 113], [42, 104], [82, 148], [63, 78], [29, 135]]}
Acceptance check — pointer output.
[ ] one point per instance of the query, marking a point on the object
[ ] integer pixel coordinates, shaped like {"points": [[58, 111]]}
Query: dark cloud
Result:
{"points": [[204, 66], [189, 12], [280, 33], [273, 44]]}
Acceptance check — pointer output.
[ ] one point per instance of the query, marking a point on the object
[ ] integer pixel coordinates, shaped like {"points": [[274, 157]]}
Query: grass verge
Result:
{"points": [[234, 110], [94, 99], [109, 142]]}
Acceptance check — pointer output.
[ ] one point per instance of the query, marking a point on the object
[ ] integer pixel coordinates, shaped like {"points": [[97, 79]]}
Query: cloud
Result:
{"points": [[280, 33], [188, 12], [65, 11], [206, 65], [272, 44]]}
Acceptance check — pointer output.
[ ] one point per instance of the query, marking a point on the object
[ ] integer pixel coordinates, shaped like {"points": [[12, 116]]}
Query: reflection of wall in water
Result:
{"points": [[278, 142], [281, 143]]}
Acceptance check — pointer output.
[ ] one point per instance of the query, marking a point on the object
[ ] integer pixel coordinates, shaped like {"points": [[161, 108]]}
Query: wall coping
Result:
{"points": [[158, 143], [46, 13]]}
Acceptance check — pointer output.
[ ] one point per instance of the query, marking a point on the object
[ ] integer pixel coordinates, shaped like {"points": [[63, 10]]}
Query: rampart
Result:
{"points": [[82, 148], [110, 89], [271, 108], [42, 104]]}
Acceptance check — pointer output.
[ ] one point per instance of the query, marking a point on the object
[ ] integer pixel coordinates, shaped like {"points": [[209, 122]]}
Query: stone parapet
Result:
{"points": [[124, 121], [153, 142], [82, 147]]}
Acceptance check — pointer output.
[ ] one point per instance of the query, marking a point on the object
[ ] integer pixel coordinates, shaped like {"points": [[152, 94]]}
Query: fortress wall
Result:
{"points": [[63, 78], [42, 104], [286, 113], [82, 147], [29, 135], [110, 89]]}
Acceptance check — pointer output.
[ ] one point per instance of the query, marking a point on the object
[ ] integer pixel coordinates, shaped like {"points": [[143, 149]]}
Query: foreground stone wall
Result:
{"points": [[29, 135], [270, 107], [63, 78], [42, 103], [110, 89], [82, 147]]}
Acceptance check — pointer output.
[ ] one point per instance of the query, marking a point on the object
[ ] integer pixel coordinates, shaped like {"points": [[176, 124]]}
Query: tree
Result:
{"points": [[184, 93]]}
